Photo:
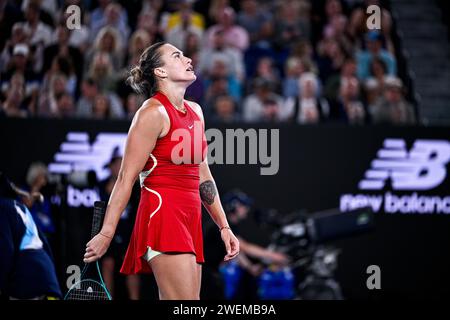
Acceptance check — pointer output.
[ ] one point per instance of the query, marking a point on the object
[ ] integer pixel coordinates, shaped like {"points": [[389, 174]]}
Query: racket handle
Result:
{"points": [[97, 218]]}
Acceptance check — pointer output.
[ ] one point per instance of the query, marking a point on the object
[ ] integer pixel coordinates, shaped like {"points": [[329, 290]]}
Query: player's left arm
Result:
{"points": [[211, 200]]}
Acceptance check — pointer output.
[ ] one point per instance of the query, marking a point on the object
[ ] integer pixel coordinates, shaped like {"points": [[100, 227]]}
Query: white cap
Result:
{"points": [[21, 49], [393, 82]]}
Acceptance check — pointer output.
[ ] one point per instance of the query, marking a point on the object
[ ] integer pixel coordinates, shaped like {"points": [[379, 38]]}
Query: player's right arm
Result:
{"points": [[147, 125]]}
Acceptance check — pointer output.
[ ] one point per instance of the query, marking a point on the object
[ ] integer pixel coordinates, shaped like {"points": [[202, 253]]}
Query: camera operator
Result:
{"points": [[252, 257]]}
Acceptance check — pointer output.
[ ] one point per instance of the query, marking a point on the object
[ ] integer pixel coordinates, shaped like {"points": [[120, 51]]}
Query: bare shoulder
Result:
{"points": [[151, 115], [196, 107]]}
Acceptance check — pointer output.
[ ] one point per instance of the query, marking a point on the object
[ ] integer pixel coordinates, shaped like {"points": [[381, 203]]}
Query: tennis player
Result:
{"points": [[167, 237]]}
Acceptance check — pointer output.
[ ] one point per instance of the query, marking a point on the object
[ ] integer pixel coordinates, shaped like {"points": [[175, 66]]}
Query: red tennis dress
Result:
{"points": [[169, 213]]}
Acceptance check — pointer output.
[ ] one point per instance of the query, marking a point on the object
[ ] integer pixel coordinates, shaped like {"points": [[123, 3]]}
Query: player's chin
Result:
{"points": [[193, 76]]}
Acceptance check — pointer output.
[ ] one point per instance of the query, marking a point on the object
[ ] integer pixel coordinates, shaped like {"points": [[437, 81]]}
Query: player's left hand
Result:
{"points": [[231, 244]]}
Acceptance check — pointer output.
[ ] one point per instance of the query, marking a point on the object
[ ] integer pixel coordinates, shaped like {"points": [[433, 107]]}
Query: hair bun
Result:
{"points": [[136, 79], [137, 74]]}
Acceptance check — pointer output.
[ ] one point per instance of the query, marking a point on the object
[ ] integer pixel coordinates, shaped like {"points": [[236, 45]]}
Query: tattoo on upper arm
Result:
{"points": [[208, 192]]}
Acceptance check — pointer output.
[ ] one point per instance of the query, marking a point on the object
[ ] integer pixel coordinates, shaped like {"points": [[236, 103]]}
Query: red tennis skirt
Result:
{"points": [[167, 220]]}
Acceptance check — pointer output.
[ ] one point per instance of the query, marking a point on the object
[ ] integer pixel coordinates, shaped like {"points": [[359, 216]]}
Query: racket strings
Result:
{"points": [[88, 290]]}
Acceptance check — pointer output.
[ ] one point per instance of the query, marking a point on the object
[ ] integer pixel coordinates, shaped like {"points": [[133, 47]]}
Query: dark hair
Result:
{"points": [[61, 95], [380, 62], [65, 65], [142, 78], [6, 190], [269, 102]]}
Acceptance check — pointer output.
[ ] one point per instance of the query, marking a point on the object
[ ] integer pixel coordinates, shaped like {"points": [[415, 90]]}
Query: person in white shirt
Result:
{"points": [[40, 34], [307, 107]]}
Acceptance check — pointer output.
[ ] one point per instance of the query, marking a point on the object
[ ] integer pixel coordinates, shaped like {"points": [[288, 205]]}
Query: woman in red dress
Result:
{"points": [[166, 148]]}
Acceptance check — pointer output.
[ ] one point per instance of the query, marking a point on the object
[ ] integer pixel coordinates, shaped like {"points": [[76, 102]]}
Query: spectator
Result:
{"points": [[10, 13], [115, 17], [89, 92], [307, 107], [139, 41], [19, 35], [374, 85], [374, 42], [79, 37], [12, 107], [48, 9], [266, 69], [351, 108], [132, 105], [254, 18], [253, 106], [293, 69], [358, 24], [108, 41], [336, 29], [147, 22], [290, 26], [101, 109], [234, 35], [271, 111], [62, 48], [225, 110], [20, 64], [219, 50], [392, 108], [215, 9], [65, 108], [57, 85], [62, 65], [218, 85], [153, 6], [109, 13], [333, 83], [101, 71], [40, 35], [323, 13], [178, 33], [184, 15], [331, 57], [193, 44], [333, 8], [220, 69], [303, 49]]}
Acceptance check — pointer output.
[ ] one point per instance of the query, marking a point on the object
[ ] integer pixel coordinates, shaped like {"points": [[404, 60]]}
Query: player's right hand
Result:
{"points": [[96, 248]]}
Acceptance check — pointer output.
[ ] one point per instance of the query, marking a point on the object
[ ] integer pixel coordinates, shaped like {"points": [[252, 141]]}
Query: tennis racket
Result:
{"points": [[91, 287]]}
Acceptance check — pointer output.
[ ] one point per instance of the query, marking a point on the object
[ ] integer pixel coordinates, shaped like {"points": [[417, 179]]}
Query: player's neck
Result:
{"points": [[175, 94]]}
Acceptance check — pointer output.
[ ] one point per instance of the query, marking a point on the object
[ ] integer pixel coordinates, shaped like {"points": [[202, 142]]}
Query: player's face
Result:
{"points": [[177, 67]]}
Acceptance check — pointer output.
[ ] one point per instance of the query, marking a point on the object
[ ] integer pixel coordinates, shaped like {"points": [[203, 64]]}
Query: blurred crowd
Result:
{"points": [[272, 61]]}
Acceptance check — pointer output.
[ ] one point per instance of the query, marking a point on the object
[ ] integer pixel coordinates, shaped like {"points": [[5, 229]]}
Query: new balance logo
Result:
{"points": [[422, 168], [77, 153]]}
